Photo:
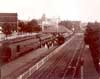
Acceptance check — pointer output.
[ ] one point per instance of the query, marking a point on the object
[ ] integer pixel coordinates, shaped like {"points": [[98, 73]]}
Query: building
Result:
{"points": [[10, 18], [46, 23]]}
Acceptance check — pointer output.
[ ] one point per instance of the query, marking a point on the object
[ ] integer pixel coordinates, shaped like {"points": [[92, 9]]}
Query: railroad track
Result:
{"points": [[58, 67], [55, 59], [26, 69], [71, 69]]}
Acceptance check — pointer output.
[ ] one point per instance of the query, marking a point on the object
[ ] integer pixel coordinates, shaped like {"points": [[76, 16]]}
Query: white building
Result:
{"points": [[48, 22]]}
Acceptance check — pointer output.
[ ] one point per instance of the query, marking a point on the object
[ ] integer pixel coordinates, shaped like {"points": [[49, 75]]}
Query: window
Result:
{"points": [[18, 48]]}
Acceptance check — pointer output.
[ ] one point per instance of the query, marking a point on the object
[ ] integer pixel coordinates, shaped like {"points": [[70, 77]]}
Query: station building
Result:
{"points": [[10, 18]]}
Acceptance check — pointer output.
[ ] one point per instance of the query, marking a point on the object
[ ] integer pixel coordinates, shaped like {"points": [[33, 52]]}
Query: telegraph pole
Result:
{"points": [[43, 21], [82, 68], [57, 23]]}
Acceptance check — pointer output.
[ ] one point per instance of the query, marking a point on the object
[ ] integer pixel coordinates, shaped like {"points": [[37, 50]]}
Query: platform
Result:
{"points": [[24, 62], [89, 68]]}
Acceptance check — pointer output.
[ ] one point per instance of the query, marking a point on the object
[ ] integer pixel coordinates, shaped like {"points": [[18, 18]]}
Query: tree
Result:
{"points": [[33, 26], [92, 38], [30, 26], [21, 26], [7, 29]]}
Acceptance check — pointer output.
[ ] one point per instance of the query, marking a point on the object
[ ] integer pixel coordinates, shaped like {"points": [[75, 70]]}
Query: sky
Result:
{"points": [[83, 10]]}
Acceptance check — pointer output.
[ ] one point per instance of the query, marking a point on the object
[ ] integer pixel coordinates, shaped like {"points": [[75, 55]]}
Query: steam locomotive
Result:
{"points": [[13, 48]]}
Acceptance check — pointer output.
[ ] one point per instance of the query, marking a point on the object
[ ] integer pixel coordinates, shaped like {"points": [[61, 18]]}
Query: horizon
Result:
{"points": [[78, 10]]}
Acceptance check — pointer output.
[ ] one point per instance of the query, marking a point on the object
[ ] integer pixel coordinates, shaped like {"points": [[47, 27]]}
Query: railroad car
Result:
{"points": [[13, 48]]}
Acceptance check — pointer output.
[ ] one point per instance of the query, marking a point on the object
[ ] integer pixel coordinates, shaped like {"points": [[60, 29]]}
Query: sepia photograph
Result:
{"points": [[49, 39]]}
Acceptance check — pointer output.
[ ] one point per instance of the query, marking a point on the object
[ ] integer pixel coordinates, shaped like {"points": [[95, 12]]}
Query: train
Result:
{"points": [[14, 48]]}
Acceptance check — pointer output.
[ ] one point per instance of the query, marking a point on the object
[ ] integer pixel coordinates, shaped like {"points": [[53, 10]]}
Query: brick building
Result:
{"points": [[10, 18]]}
